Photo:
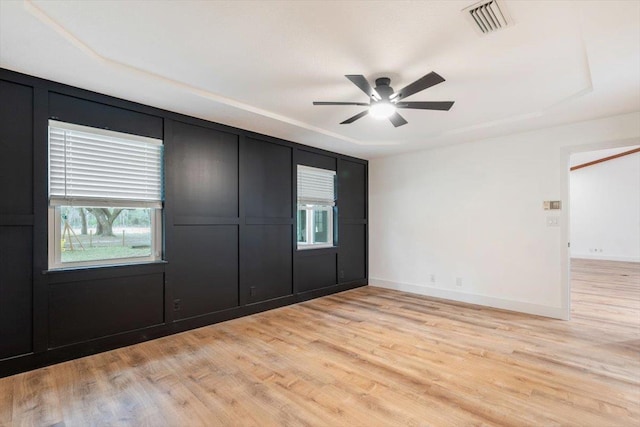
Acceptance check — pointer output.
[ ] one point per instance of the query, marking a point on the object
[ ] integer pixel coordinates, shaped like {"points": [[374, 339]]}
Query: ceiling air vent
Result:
{"points": [[488, 16]]}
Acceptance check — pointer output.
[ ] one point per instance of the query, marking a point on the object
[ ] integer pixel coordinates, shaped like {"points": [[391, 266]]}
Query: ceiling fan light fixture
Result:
{"points": [[383, 101], [382, 110]]}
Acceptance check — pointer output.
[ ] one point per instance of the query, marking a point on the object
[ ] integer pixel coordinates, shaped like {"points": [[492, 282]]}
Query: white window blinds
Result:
{"points": [[316, 186], [95, 167]]}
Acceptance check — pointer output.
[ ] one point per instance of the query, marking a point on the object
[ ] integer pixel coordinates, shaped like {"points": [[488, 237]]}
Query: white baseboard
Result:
{"points": [[511, 305], [606, 257]]}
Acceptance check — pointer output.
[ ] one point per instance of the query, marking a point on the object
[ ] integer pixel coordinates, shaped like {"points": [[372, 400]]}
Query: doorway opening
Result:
{"points": [[604, 232]]}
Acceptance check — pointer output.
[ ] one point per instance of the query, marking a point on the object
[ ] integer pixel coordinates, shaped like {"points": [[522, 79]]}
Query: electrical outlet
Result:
{"points": [[176, 305], [432, 278], [553, 221], [252, 291], [342, 274], [458, 281]]}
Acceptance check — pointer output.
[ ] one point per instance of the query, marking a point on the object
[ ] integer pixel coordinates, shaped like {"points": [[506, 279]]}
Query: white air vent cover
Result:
{"points": [[488, 16]]}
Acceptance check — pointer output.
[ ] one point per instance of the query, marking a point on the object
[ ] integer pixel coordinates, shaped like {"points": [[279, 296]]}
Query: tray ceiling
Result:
{"points": [[259, 65]]}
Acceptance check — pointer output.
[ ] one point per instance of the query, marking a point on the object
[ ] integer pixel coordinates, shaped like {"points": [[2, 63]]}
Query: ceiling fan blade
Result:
{"points": [[356, 117], [340, 103], [397, 120], [360, 81], [422, 83], [429, 105]]}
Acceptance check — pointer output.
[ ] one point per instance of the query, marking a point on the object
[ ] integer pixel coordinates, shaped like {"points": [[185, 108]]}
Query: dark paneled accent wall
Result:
{"points": [[89, 309], [267, 226], [16, 218], [267, 180], [202, 185], [229, 230], [81, 111], [315, 269], [204, 269], [316, 160], [267, 262], [352, 223], [204, 174], [15, 290], [16, 137], [352, 190]]}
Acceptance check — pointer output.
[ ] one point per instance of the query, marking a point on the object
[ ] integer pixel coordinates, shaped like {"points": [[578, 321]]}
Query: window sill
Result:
{"points": [[316, 251], [63, 270], [310, 247]]}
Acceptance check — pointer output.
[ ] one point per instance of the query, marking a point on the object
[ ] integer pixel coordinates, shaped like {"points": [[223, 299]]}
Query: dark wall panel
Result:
{"points": [[16, 149], [352, 190], [16, 242], [352, 252], [316, 160], [315, 271], [204, 174], [267, 179], [266, 262], [82, 310], [82, 112], [204, 269], [15, 291], [229, 230]]}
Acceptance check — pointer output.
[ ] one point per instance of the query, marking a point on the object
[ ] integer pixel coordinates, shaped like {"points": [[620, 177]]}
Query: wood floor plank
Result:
{"points": [[370, 357], [163, 388], [35, 400], [82, 392], [6, 401]]}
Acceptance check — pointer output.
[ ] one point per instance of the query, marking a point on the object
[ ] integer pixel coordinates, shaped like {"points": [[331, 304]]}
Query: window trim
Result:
{"points": [[54, 223], [315, 192], [304, 246], [56, 202]]}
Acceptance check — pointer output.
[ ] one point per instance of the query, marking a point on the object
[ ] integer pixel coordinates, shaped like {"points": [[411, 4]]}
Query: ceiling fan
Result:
{"points": [[384, 101]]}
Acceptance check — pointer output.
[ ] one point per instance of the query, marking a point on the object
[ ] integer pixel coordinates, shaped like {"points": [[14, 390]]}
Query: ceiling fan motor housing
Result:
{"points": [[383, 88]]}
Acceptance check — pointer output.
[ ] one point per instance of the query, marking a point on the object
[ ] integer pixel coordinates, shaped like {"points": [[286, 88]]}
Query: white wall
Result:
{"points": [[605, 207], [474, 211]]}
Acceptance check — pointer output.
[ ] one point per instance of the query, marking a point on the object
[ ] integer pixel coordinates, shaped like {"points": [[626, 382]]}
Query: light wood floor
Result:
{"points": [[362, 358]]}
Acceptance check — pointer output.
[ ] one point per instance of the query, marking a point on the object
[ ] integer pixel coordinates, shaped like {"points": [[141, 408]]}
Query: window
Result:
{"points": [[105, 197], [316, 204]]}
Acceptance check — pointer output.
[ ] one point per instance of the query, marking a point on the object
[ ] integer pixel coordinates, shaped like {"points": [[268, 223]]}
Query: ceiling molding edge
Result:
{"points": [[533, 114], [39, 14]]}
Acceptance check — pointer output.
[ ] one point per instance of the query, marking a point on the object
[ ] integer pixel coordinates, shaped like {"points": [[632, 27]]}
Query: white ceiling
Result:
{"points": [[258, 65]]}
